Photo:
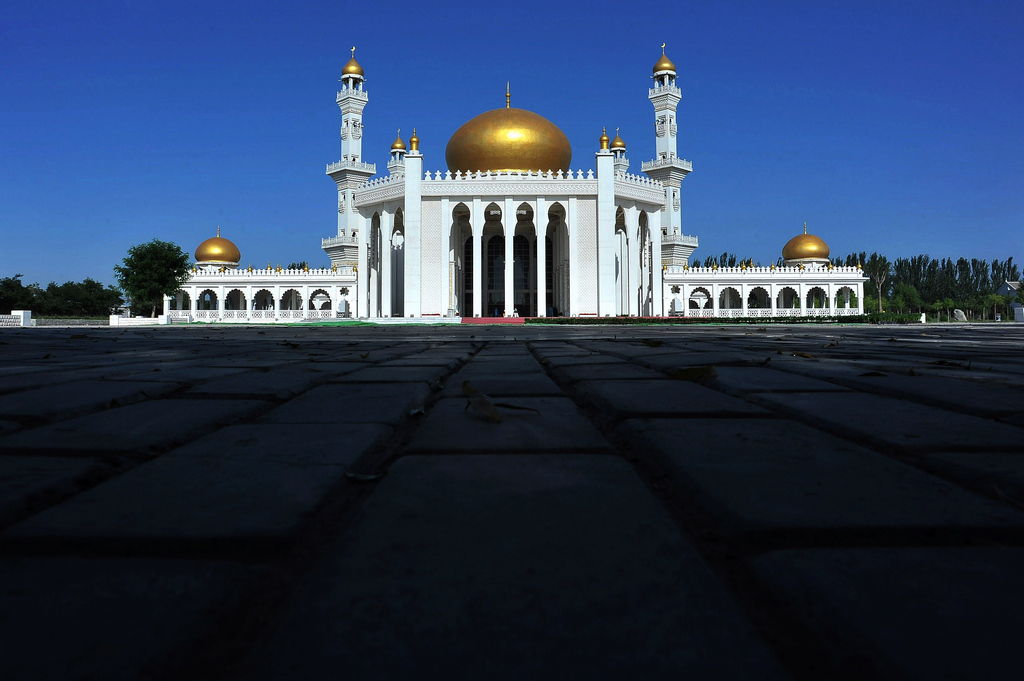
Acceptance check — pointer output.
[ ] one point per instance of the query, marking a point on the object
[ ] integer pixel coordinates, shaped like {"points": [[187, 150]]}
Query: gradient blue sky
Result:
{"points": [[888, 126]]}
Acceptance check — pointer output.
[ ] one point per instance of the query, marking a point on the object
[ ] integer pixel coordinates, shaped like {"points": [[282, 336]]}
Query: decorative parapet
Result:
{"points": [[346, 164], [664, 90], [639, 188], [243, 275], [339, 241], [380, 189], [668, 162], [680, 239], [509, 182], [770, 272], [352, 93]]}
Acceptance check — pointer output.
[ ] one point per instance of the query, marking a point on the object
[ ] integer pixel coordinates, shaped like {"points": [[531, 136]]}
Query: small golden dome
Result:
{"points": [[664, 64], [604, 138], [804, 246], [414, 141], [217, 249], [508, 139], [618, 143], [398, 144], [352, 68]]}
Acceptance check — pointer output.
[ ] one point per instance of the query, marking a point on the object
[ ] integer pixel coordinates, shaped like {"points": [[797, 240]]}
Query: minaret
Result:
{"points": [[668, 168], [396, 166], [350, 172]]}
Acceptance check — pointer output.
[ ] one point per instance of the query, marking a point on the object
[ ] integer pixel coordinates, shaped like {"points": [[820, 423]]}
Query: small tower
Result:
{"points": [[618, 148], [396, 166], [351, 100], [667, 167]]}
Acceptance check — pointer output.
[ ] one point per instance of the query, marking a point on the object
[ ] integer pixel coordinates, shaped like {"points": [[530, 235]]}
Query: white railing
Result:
{"points": [[681, 239], [253, 315], [664, 90], [667, 162], [312, 273], [352, 93], [339, 241], [639, 180], [755, 271], [505, 175], [768, 313], [346, 164]]}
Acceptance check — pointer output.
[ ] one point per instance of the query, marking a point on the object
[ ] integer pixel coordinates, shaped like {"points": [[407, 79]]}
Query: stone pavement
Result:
{"points": [[773, 502]]}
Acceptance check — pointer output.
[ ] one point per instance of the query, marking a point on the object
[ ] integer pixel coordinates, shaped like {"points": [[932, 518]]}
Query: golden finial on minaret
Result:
{"points": [[218, 230], [662, 49], [508, 94], [604, 139], [354, 50], [414, 141], [805, 227]]}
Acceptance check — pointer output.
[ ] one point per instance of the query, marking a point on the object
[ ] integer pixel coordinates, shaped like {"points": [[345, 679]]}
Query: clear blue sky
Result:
{"points": [[888, 126]]}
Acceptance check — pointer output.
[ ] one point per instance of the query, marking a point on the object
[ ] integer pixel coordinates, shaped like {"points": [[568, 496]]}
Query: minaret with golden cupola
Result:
{"points": [[618, 148], [350, 172], [396, 166], [667, 167]]}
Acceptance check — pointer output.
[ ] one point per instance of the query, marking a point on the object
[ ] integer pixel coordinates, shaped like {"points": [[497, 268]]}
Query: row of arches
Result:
{"points": [[729, 298], [263, 299]]}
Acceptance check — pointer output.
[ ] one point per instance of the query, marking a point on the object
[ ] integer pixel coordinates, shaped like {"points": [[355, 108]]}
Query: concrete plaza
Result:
{"points": [[713, 502]]}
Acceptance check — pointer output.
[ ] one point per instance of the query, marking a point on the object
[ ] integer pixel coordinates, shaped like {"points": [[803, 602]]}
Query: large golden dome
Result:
{"points": [[217, 249], [508, 139], [804, 246]]}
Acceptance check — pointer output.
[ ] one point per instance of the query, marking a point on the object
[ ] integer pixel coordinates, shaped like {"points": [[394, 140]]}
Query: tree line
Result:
{"points": [[86, 298]]}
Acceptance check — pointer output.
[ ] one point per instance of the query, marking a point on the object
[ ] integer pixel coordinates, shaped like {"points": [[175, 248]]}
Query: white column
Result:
{"points": [[510, 219], [362, 293], [447, 270], [657, 273], [803, 299], [387, 254], [477, 223], [633, 273], [572, 304], [540, 220], [220, 302], [714, 299], [412, 270], [606, 241], [743, 299], [305, 300]]}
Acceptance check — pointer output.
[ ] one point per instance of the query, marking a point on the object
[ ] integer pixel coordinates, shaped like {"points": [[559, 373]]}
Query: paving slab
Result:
{"points": [[512, 567], [395, 374], [997, 473], [743, 380], [889, 422], [279, 383], [629, 398], [690, 358], [909, 613], [23, 478], [80, 397], [348, 403], [144, 427], [63, 619], [604, 372], [497, 383], [247, 482], [775, 480], [514, 364], [558, 427], [970, 397]]}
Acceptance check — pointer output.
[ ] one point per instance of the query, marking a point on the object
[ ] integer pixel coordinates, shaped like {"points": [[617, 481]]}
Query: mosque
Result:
{"points": [[507, 230]]}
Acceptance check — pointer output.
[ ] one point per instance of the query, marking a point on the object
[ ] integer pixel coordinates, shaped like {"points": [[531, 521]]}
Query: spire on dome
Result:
{"points": [[508, 94]]}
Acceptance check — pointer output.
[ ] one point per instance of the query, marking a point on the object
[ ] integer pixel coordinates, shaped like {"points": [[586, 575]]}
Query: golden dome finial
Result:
{"points": [[218, 230], [805, 227], [664, 64], [352, 68], [618, 142], [604, 139], [662, 49], [354, 50], [508, 94], [414, 141], [398, 144]]}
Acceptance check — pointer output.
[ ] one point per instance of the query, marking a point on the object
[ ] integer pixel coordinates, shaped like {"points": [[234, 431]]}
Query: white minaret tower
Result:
{"points": [[668, 167], [350, 172]]}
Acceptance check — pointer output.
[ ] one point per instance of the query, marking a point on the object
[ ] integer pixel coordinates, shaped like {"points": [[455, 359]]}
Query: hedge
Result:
{"points": [[870, 318]]}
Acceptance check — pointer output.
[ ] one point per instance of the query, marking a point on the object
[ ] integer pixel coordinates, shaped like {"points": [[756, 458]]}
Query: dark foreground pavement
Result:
{"points": [[318, 503]]}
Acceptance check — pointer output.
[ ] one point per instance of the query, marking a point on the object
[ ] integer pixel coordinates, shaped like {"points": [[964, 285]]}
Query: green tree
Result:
{"points": [[301, 265], [877, 270], [150, 271], [16, 296]]}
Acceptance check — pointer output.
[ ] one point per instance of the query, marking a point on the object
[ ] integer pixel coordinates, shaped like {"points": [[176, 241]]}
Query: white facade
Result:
{"points": [[419, 243]]}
